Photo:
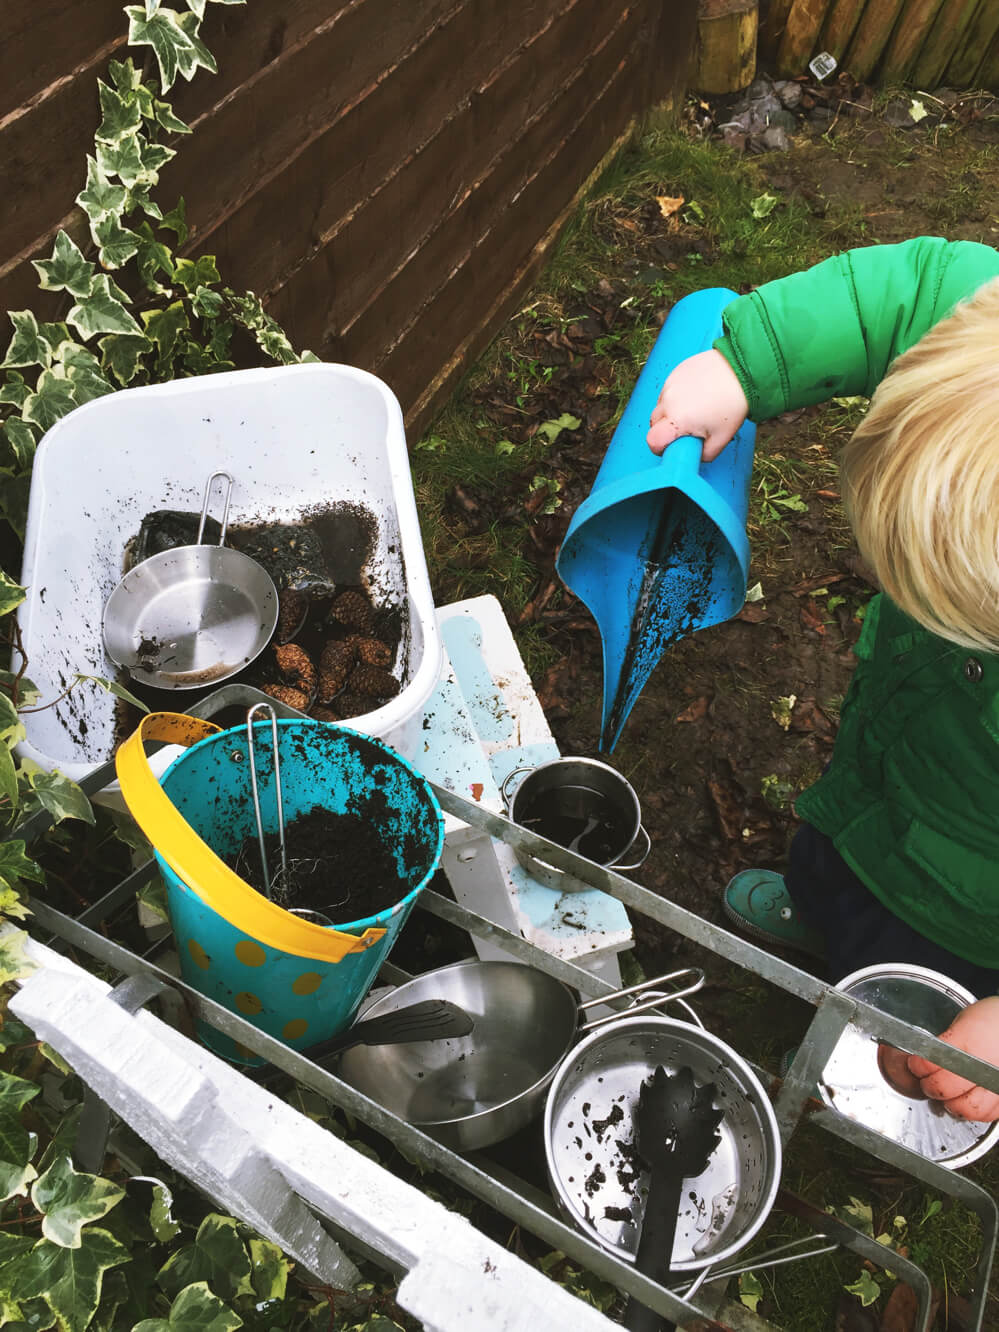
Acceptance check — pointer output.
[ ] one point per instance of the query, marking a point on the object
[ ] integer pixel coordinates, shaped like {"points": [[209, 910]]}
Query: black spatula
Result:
{"points": [[676, 1130]]}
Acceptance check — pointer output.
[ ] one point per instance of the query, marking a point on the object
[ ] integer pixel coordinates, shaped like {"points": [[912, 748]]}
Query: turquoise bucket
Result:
{"points": [[298, 999], [659, 549]]}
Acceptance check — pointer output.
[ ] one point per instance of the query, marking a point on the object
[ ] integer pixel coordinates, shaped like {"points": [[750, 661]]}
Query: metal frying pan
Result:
{"points": [[191, 616]]}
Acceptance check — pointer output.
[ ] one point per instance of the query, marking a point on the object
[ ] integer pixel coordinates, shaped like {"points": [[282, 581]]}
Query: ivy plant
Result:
{"points": [[79, 1251]]}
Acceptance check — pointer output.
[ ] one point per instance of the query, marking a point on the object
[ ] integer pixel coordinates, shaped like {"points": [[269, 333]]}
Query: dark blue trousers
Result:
{"points": [[858, 930]]}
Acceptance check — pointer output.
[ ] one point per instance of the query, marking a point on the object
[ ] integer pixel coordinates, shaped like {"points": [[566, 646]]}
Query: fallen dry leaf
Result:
{"points": [[728, 807], [819, 580], [753, 612], [901, 1310], [811, 617], [693, 711], [668, 206]]}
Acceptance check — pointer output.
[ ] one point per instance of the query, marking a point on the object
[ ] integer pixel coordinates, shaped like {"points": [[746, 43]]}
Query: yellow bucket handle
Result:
{"points": [[197, 865]]}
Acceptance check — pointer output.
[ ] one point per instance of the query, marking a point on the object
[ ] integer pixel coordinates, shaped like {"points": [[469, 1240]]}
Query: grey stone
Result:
{"points": [[734, 138], [789, 92], [784, 120], [897, 115], [776, 139]]}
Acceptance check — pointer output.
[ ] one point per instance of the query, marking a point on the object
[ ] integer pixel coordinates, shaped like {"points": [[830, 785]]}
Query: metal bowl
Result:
{"points": [[589, 1137], [471, 1091], [852, 1083]]}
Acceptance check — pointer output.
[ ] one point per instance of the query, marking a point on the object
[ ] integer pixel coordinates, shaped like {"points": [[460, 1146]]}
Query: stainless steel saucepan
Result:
{"points": [[477, 1090], [193, 615]]}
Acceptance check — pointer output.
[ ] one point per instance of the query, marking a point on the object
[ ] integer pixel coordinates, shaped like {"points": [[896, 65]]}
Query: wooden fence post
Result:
{"points": [[801, 32], [942, 41], [871, 37], [987, 74], [772, 27], [964, 64], [907, 39], [840, 25], [726, 45]]}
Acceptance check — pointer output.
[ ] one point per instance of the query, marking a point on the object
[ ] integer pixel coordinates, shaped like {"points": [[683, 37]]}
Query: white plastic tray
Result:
{"points": [[294, 438]]}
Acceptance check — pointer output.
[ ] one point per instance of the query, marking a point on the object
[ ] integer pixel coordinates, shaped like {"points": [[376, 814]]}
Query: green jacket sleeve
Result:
{"points": [[833, 330]]}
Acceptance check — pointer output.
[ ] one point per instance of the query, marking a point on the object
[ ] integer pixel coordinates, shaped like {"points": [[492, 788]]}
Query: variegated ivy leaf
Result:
{"points": [[15, 865], [121, 354], [163, 32], [217, 1256], [67, 270], [28, 692], [11, 727], [151, 7], [84, 370], [120, 114], [14, 1032], [135, 160], [11, 595], [176, 220], [101, 197], [154, 258], [161, 1221], [8, 791], [195, 1309], [270, 1270], [165, 116], [207, 303], [17, 1145], [14, 490], [70, 1279], [102, 312], [139, 198], [69, 1200], [200, 56], [14, 390], [194, 273], [13, 908], [53, 397], [14, 962], [164, 327], [27, 346], [112, 687], [60, 796], [127, 79], [117, 243]]}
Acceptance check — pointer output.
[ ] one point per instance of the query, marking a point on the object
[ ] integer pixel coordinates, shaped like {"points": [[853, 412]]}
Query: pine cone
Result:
{"points": [[349, 705], [324, 715], [373, 681], [292, 606], [294, 698], [353, 610], [372, 651], [335, 663], [297, 667]]}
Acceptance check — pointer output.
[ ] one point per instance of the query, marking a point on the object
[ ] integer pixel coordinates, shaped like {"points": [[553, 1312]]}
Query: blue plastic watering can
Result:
{"points": [[659, 547]]}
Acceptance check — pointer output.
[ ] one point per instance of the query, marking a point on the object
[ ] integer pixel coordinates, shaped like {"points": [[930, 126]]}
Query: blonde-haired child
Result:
{"points": [[897, 859]]}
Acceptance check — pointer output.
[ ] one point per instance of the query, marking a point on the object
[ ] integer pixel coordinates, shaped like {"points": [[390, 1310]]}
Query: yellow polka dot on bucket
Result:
{"points": [[248, 1003], [201, 958], [307, 983], [250, 953], [292, 1030]]}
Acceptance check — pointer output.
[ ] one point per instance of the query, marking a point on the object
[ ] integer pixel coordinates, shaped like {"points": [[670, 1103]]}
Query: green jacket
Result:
{"points": [[911, 798]]}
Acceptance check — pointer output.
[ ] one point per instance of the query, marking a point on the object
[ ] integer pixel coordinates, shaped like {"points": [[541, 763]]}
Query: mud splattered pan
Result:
{"points": [[593, 1167], [477, 1090]]}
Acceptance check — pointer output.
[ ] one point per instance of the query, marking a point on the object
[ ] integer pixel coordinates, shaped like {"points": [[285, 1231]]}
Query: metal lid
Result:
{"points": [[852, 1083]]}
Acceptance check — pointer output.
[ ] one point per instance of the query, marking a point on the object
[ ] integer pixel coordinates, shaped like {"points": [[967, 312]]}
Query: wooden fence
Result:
{"points": [[387, 174], [923, 43]]}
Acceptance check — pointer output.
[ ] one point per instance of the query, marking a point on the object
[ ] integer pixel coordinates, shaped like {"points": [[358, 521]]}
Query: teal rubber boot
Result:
{"points": [[757, 901]]}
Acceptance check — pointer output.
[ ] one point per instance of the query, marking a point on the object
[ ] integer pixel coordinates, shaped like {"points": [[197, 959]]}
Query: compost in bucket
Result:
{"points": [[337, 864]]}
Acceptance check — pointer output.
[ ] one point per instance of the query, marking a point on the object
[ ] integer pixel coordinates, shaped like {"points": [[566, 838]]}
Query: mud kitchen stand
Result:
{"points": [[319, 1199]]}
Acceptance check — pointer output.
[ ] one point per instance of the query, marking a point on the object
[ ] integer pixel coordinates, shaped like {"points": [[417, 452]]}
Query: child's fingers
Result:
{"points": [[977, 1104], [938, 1083], [662, 433], [893, 1065]]}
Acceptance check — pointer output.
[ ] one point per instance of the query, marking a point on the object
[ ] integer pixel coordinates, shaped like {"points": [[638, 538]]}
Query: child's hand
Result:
{"points": [[975, 1030], [701, 397]]}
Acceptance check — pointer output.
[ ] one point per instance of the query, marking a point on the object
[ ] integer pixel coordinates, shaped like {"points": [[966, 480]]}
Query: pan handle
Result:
{"points": [[225, 511], [653, 996]]}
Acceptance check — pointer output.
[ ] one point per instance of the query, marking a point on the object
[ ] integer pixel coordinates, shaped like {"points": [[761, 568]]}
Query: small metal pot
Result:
{"points": [[581, 804], [193, 615], [589, 1136], [473, 1091], [853, 1085]]}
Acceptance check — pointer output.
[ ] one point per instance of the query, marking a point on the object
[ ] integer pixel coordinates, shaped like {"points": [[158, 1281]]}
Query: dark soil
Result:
{"points": [[337, 864]]}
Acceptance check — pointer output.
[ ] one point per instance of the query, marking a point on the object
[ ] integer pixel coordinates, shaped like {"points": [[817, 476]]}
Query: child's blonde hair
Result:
{"points": [[921, 477]]}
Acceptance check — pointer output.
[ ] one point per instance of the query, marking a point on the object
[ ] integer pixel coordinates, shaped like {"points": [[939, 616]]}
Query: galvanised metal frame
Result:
{"points": [[522, 1202]]}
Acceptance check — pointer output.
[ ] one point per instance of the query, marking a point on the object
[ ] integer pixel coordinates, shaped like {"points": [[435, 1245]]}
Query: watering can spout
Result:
{"points": [[658, 549]]}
